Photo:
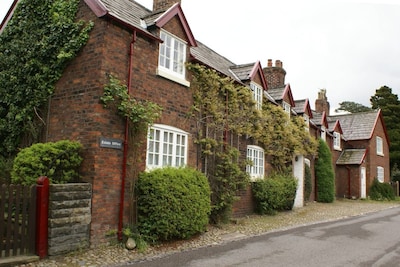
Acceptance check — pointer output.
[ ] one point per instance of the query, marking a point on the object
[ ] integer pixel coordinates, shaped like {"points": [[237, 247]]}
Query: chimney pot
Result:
{"points": [[269, 62]]}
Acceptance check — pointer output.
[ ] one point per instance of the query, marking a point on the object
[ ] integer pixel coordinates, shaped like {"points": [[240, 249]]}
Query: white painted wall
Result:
{"points": [[298, 173]]}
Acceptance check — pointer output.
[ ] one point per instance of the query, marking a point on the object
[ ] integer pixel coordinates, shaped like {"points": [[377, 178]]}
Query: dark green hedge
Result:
{"points": [[173, 203], [381, 191], [325, 174], [274, 194], [58, 161]]}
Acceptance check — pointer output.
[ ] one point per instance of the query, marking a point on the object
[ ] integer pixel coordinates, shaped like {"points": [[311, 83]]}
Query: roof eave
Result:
{"points": [[172, 12]]}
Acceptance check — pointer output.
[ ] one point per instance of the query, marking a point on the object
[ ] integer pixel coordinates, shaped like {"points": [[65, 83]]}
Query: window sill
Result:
{"points": [[168, 75]]}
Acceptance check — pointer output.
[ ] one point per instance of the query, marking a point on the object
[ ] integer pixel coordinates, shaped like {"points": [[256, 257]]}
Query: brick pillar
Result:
{"points": [[275, 75], [162, 5]]}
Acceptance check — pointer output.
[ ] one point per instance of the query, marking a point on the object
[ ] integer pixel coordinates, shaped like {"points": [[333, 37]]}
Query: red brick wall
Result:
{"points": [[245, 205]]}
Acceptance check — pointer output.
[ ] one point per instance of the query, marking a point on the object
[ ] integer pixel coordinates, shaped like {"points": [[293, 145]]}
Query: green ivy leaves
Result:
{"points": [[141, 114], [35, 47]]}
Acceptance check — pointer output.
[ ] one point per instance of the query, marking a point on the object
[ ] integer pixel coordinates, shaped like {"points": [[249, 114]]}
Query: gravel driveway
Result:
{"points": [[239, 228]]}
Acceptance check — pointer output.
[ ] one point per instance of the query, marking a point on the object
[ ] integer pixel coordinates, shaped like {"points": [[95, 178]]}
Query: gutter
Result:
{"points": [[126, 136]]}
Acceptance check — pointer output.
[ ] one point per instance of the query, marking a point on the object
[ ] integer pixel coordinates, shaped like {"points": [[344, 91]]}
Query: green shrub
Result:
{"points": [[324, 173], [307, 182], [173, 203], [5, 170], [274, 194], [381, 191], [58, 161]]}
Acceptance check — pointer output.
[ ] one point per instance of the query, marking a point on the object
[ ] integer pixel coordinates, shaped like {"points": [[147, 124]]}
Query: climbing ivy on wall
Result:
{"points": [[222, 106], [35, 47]]}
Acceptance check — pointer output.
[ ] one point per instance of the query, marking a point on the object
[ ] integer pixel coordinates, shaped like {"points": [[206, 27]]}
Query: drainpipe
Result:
{"points": [[348, 181], [125, 155]]}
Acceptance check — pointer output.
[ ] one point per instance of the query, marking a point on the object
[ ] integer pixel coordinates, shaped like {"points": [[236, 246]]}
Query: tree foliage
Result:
{"points": [[352, 107], [325, 174], [35, 47], [389, 104]]}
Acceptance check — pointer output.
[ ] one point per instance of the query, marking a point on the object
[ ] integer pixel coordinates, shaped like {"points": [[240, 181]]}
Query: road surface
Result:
{"points": [[367, 240]]}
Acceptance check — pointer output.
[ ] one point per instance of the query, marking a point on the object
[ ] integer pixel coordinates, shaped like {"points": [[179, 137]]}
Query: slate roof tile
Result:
{"points": [[357, 126], [351, 156]]}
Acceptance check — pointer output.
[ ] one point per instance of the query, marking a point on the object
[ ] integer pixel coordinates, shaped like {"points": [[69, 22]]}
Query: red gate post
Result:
{"points": [[42, 209]]}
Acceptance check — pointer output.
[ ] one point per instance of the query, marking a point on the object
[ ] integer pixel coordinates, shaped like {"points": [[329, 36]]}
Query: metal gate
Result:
{"points": [[17, 220]]}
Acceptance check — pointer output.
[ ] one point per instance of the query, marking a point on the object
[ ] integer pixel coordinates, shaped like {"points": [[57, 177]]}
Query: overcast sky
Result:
{"points": [[350, 48]]}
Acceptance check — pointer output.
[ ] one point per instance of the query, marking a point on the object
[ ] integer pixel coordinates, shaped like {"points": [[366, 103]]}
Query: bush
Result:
{"points": [[381, 191], [324, 173], [307, 182], [274, 194], [5, 170], [58, 161], [172, 203]]}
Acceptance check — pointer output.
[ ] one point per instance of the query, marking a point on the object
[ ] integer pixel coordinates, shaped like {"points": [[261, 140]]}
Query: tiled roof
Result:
{"points": [[317, 118], [300, 106], [243, 71], [357, 126], [277, 93], [127, 11], [212, 59], [351, 156]]}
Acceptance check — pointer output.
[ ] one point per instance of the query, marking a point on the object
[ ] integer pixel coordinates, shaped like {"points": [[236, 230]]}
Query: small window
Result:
{"points": [[172, 58], [166, 146], [336, 141], [380, 174], [286, 108], [257, 92], [379, 146], [323, 133], [306, 121], [255, 154]]}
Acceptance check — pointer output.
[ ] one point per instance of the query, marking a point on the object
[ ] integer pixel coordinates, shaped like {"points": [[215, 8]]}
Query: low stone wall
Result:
{"points": [[69, 218]]}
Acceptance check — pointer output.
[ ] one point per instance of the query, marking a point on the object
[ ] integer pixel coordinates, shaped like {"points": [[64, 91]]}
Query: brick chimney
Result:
{"points": [[321, 103], [162, 5], [275, 75]]}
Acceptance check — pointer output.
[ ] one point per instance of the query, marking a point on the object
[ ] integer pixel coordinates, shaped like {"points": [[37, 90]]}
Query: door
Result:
{"points": [[363, 182]]}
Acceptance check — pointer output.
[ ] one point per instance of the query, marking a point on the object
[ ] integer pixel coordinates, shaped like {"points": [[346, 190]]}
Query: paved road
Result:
{"points": [[369, 240]]}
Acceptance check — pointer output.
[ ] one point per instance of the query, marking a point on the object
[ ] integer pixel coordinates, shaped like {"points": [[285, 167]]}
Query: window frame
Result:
{"points": [[379, 146], [323, 133], [172, 56], [287, 108], [380, 174], [336, 141], [257, 169], [161, 147], [257, 93]]}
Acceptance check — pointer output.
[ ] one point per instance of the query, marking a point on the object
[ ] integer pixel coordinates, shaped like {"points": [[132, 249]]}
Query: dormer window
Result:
{"points": [[323, 133], [257, 92], [336, 141], [306, 121], [172, 58], [286, 107]]}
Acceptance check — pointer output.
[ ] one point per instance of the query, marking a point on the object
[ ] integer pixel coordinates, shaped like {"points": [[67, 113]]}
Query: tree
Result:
{"points": [[389, 104], [352, 107], [325, 174]]}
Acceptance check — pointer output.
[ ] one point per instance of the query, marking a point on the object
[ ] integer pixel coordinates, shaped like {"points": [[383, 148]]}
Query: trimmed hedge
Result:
{"points": [[307, 182], [173, 203], [274, 194], [381, 191], [58, 161], [325, 174]]}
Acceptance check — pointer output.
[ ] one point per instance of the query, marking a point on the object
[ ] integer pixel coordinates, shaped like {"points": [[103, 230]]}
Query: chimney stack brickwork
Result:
{"points": [[162, 5], [321, 103], [275, 75]]}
